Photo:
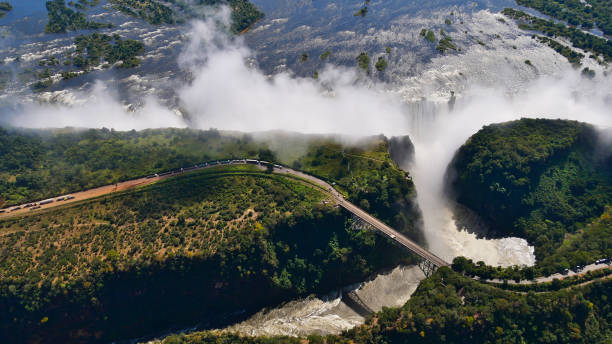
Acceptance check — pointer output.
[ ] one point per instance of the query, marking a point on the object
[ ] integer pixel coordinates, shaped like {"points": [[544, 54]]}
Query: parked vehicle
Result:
{"points": [[47, 201]]}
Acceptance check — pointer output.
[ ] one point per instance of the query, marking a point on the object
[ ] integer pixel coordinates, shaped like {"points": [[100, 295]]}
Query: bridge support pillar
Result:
{"points": [[427, 267], [358, 224]]}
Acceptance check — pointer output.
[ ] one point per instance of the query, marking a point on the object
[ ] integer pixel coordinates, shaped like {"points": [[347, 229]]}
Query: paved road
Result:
{"points": [[544, 279]]}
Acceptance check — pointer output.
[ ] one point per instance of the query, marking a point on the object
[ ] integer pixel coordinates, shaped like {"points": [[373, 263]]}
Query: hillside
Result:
{"points": [[36, 164], [39, 164], [199, 246], [532, 178]]}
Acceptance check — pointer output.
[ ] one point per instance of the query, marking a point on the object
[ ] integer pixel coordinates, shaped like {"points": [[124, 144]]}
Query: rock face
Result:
{"points": [[401, 150]]}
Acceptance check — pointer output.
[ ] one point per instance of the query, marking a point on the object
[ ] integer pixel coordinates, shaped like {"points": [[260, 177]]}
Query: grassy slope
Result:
{"points": [[537, 179]]}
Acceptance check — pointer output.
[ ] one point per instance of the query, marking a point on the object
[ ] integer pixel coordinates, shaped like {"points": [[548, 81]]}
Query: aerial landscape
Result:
{"points": [[311, 171]]}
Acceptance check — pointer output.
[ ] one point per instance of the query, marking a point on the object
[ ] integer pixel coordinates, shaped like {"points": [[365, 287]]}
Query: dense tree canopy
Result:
{"points": [[533, 178]]}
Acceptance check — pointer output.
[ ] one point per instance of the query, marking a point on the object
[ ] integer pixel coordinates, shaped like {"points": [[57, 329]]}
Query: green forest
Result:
{"points": [[39, 164], [547, 181], [95, 49], [63, 18], [586, 14], [369, 178], [244, 13], [212, 242], [598, 46]]}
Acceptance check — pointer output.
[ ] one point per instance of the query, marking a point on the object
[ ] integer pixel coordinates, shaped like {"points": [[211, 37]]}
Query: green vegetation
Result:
{"points": [[449, 308], [447, 21], [194, 246], [325, 55], [303, 57], [363, 61], [445, 43], [361, 12], [152, 11], [49, 61], [244, 13], [587, 72], [381, 64], [587, 14], [557, 284], [42, 85], [428, 35], [596, 45], [572, 56], [39, 164], [63, 18], [95, 49], [591, 242], [542, 180], [388, 50], [4, 8], [370, 179]]}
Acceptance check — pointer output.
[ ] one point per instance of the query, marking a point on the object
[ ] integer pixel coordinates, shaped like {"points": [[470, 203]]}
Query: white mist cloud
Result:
{"points": [[95, 109], [229, 93]]}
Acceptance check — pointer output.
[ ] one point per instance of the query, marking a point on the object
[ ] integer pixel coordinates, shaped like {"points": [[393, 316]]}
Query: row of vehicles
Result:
{"points": [[579, 268], [37, 205], [214, 163]]}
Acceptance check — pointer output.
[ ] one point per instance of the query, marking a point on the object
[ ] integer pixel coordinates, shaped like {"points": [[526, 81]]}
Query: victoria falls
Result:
{"points": [[312, 171]]}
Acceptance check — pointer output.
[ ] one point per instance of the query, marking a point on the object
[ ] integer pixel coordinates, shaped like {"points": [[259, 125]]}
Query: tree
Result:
{"points": [[363, 61], [381, 64]]}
